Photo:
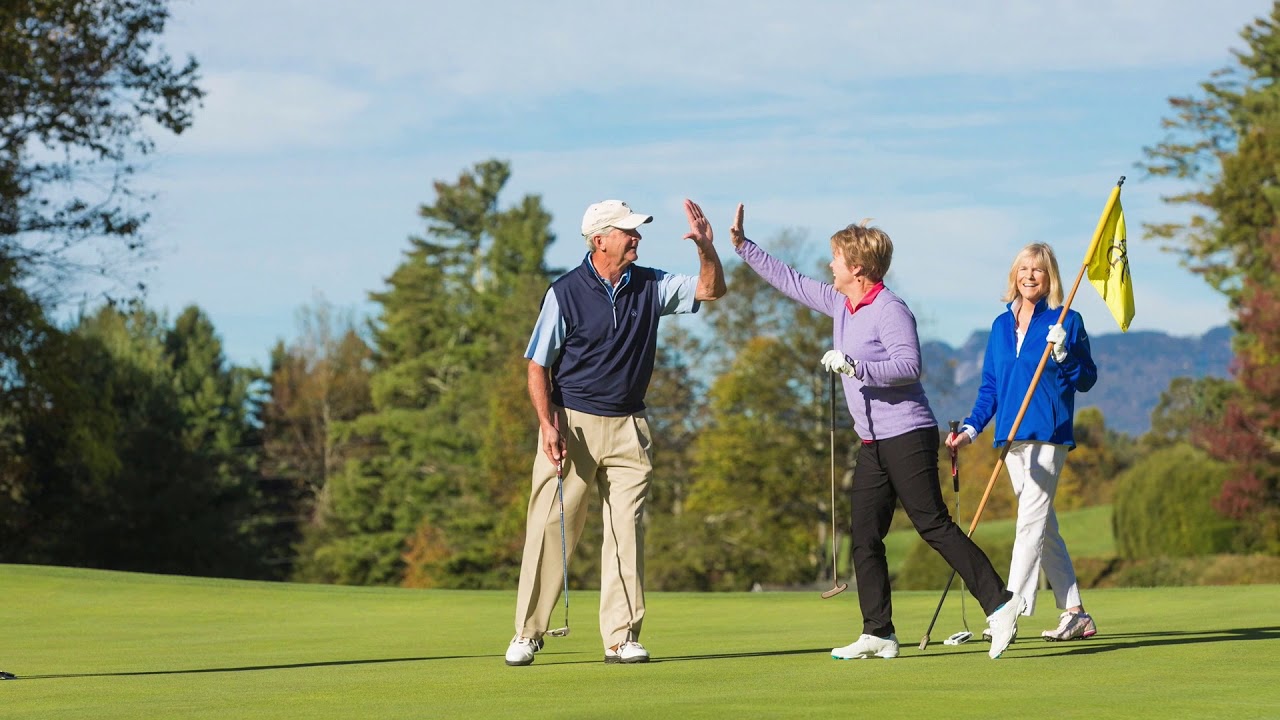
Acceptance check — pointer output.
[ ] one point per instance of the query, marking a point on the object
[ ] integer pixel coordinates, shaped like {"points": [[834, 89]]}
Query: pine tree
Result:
{"points": [[431, 502]]}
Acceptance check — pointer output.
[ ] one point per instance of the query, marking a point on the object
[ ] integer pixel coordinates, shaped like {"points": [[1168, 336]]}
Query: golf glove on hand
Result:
{"points": [[837, 362], [1058, 336]]}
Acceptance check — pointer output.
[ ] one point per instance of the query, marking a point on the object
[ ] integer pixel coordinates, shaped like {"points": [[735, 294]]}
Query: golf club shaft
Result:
{"points": [[831, 416], [564, 553], [836, 586], [954, 426]]}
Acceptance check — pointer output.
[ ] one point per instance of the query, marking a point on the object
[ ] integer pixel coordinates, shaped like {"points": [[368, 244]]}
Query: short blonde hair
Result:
{"points": [[867, 246], [1040, 256]]}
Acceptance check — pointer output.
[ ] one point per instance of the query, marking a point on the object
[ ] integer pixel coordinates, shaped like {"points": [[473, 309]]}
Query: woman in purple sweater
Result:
{"points": [[877, 353]]}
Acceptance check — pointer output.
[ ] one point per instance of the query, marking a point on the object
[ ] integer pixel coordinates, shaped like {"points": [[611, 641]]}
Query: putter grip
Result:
{"points": [[955, 476]]}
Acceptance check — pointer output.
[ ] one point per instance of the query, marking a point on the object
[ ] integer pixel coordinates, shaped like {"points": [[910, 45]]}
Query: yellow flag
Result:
{"points": [[1109, 268]]}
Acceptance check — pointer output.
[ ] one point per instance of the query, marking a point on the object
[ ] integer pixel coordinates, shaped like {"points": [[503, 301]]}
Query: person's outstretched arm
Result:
{"points": [[710, 272], [819, 296]]}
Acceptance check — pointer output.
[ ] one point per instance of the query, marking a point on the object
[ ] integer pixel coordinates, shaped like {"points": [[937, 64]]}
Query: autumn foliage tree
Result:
{"points": [[1226, 143]]}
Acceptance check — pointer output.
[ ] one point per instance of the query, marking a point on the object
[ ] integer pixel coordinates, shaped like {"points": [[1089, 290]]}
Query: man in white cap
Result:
{"points": [[590, 359]]}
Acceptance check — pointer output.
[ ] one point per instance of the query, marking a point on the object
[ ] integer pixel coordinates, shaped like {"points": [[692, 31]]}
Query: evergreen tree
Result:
{"points": [[137, 451], [758, 507], [431, 502], [317, 382]]}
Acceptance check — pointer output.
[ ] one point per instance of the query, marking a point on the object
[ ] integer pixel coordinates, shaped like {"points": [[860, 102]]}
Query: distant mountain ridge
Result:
{"points": [[1133, 369]]}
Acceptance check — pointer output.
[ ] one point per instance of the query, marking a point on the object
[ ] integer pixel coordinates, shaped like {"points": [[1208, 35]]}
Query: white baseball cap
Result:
{"points": [[611, 213]]}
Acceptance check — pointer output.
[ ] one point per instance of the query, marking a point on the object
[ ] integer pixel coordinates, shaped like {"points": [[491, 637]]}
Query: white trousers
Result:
{"points": [[1034, 468]]}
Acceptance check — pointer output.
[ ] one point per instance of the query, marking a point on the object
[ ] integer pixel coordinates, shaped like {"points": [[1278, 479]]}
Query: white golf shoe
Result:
{"points": [[867, 646], [627, 653], [1072, 626], [521, 650], [1003, 624]]}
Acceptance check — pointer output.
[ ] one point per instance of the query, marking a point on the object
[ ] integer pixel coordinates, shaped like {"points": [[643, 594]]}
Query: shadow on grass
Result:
{"points": [[1108, 643], [250, 668], [1131, 641], [1128, 641]]}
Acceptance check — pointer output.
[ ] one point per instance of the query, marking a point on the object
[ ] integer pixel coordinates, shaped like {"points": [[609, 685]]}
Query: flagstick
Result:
{"points": [[1044, 357]]}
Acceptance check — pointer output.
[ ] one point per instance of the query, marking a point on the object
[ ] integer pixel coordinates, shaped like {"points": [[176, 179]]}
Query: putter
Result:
{"points": [[964, 635], [837, 586], [954, 426], [564, 554]]}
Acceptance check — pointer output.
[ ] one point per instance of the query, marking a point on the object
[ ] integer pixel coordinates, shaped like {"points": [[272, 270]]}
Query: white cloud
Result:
{"points": [[493, 49], [270, 112], [965, 129]]}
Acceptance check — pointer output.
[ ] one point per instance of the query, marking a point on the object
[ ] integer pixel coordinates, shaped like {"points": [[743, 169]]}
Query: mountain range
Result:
{"points": [[1134, 368]]}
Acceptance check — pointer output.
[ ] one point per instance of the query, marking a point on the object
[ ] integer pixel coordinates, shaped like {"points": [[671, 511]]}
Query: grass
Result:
{"points": [[1087, 533], [95, 644]]}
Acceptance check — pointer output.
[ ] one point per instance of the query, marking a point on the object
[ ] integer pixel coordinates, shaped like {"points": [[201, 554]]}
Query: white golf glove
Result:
{"points": [[1057, 336], [837, 362]]}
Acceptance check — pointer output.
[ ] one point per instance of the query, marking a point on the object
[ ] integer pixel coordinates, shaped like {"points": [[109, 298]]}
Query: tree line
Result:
{"points": [[397, 449]]}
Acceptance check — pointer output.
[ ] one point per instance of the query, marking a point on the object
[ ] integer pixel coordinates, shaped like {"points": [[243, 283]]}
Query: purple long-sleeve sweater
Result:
{"points": [[886, 398]]}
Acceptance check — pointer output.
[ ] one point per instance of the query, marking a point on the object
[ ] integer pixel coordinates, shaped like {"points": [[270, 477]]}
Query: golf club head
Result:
{"points": [[559, 632], [835, 591], [959, 638]]}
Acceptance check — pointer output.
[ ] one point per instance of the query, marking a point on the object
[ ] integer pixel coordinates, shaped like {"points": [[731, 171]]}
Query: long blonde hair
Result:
{"points": [[1037, 255]]}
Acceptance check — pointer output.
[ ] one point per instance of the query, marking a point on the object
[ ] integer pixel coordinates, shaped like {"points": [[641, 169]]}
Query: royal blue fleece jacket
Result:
{"points": [[1006, 375]]}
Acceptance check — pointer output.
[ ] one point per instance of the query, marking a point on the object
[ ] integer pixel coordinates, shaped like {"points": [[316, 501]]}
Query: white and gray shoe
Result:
{"points": [[628, 653], [868, 646], [521, 650], [1072, 626], [1003, 624]]}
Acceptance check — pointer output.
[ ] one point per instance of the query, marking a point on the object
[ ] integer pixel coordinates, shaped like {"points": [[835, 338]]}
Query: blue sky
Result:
{"points": [[966, 130]]}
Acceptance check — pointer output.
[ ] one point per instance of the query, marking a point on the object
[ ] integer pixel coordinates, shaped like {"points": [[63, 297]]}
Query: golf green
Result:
{"points": [[94, 644]]}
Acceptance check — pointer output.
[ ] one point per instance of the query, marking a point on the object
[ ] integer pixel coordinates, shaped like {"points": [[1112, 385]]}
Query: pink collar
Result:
{"points": [[866, 300]]}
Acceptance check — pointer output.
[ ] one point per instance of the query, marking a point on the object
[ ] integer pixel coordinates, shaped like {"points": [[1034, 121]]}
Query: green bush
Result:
{"points": [[924, 568], [1163, 506], [1206, 570], [1156, 572]]}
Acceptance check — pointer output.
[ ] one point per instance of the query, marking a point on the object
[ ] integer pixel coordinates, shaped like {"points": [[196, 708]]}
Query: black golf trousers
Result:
{"points": [[906, 468]]}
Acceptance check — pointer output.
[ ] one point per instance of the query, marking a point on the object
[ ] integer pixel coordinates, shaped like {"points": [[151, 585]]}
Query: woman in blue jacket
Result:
{"points": [[1039, 450]]}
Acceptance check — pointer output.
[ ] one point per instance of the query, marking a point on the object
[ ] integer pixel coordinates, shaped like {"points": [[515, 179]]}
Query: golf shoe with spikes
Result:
{"points": [[1004, 624], [868, 646], [627, 653], [521, 650], [1072, 626]]}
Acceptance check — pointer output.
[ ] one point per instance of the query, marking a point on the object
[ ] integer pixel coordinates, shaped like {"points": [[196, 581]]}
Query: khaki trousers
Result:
{"points": [[615, 454]]}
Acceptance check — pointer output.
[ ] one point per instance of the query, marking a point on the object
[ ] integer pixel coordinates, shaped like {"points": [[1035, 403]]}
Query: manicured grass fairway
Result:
{"points": [[89, 644]]}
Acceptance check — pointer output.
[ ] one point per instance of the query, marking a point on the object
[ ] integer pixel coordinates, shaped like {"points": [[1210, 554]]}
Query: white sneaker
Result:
{"points": [[1072, 626], [986, 635], [521, 650], [628, 652], [1003, 624], [866, 646]]}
